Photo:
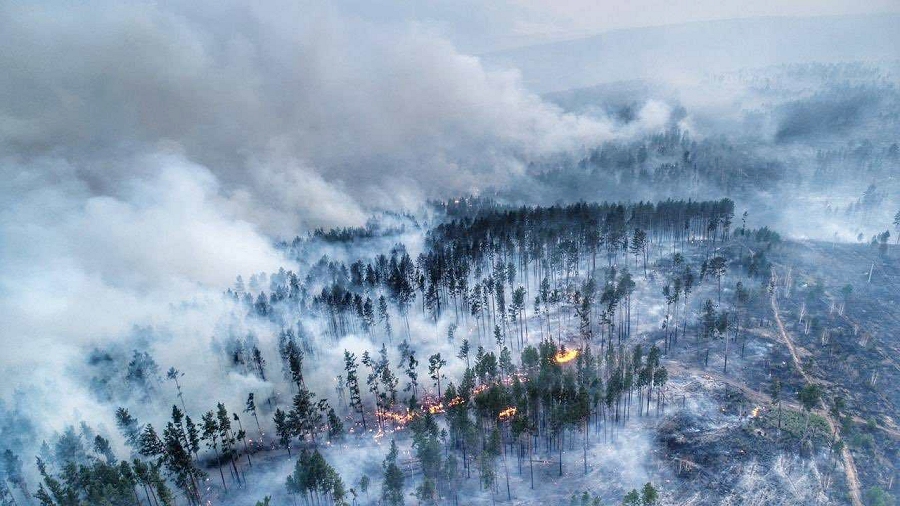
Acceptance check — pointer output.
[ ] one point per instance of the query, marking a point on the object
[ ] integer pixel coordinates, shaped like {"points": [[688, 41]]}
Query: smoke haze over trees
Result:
{"points": [[349, 253]]}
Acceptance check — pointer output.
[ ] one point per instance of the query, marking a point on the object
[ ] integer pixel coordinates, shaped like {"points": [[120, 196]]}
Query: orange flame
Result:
{"points": [[398, 418], [456, 401], [507, 413], [434, 406], [564, 356], [755, 412]]}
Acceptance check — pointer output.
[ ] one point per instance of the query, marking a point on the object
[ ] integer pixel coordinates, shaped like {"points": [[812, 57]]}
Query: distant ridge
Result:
{"points": [[693, 49]]}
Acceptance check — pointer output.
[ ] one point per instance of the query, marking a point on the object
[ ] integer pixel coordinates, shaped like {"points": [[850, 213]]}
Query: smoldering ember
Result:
{"points": [[500, 252]]}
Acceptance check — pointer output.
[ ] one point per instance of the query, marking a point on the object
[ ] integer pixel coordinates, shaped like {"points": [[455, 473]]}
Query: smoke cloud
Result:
{"points": [[152, 152], [276, 101]]}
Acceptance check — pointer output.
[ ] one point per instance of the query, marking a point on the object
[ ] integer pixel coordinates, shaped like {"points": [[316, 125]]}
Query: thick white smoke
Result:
{"points": [[152, 152], [276, 101]]}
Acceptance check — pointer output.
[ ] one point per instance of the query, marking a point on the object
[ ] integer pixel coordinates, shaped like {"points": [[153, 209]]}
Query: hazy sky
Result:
{"points": [[481, 26]]}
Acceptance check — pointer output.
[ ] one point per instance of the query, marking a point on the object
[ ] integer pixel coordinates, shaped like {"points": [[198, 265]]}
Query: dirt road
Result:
{"points": [[849, 464]]}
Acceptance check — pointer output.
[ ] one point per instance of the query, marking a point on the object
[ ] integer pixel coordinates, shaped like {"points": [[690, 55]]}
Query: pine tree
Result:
{"points": [[283, 430], [295, 364], [389, 382], [384, 316], [464, 352], [173, 375], [250, 407], [12, 472], [352, 383], [226, 438], [242, 436], [435, 363], [809, 397], [129, 428], [408, 364], [392, 486], [210, 434]]}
